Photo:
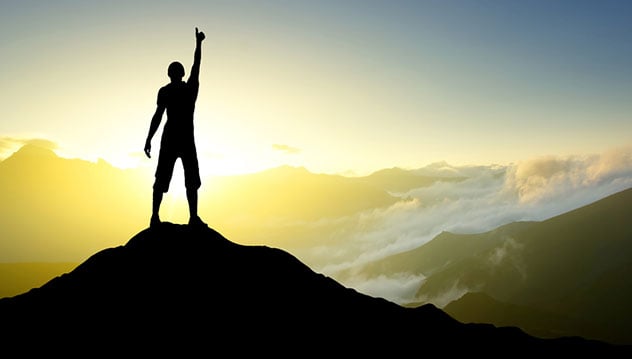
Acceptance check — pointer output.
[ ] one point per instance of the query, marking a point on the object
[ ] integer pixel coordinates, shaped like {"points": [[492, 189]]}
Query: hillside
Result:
{"points": [[576, 265], [191, 290], [479, 307]]}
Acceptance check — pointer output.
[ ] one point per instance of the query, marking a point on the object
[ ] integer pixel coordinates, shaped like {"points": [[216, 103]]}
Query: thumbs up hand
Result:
{"points": [[199, 36]]}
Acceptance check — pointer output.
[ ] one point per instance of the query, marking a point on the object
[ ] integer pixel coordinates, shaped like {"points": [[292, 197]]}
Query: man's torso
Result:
{"points": [[179, 101]]}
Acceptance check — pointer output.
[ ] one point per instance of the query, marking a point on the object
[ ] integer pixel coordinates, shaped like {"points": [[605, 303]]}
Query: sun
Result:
{"points": [[177, 190]]}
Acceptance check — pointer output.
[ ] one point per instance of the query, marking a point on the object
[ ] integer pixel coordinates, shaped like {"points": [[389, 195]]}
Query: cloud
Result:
{"points": [[454, 292], [491, 196], [8, 145], [468, 206], [509, 252], [401, 287], [611, 165], [547, 179], [285, 149]]}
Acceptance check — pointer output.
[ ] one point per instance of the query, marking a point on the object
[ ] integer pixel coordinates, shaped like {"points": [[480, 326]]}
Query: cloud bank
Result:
{"points": [[492, 196]]}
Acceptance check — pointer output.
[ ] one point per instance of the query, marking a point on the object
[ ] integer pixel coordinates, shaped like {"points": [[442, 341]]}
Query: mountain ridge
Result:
{"points": [[67, 193], [177, 287], [575, 265], [478, 307]]}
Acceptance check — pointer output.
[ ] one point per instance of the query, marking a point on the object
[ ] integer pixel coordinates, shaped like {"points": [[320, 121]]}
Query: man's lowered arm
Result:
{"points": [[153, 127]]}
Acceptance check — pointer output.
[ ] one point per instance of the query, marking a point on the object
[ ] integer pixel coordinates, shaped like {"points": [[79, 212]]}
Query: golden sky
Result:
{"points": [[335, 86]]}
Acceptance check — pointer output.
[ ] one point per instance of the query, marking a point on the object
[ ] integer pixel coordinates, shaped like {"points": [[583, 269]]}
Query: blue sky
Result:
{"points": [[349, 86]]}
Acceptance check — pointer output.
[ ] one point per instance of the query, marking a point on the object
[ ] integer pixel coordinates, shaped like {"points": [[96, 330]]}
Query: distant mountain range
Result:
{"points": [[86, 206], [61, 210], [565, 276], [182, 290], [568, 275]]}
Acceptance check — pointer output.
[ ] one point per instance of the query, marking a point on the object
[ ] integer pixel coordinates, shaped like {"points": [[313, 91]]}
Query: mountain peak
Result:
{"points": [[181, 287], [32, 150]]}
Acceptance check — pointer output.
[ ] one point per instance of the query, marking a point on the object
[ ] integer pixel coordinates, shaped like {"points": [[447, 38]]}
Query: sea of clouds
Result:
{"points": [[491, 196]]}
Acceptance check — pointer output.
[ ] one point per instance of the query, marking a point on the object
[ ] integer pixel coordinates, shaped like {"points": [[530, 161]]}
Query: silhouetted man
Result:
{"points": [[178, 99]]}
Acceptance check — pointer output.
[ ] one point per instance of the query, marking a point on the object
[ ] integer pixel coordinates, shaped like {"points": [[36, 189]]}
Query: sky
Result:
{"points": [[345, 87]]}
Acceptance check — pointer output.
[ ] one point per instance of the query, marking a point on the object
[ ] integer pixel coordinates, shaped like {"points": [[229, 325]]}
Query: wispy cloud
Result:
{"points": [[455, 291], [401, 288], [286, 149]]}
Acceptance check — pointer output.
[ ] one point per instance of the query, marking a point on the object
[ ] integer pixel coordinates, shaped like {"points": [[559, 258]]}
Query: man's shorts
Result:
{"points": [[166, 162]]}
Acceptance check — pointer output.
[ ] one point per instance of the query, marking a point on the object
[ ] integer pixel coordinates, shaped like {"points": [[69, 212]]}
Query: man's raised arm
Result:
{"points": [[197, 56]]}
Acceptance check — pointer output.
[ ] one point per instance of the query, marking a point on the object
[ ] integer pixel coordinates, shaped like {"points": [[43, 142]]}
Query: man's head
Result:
{"points": [[175, 71]]}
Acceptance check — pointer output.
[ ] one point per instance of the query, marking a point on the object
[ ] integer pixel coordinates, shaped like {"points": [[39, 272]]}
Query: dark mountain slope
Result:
{"points": [[576, 265], [177, 288], [481, 308]]}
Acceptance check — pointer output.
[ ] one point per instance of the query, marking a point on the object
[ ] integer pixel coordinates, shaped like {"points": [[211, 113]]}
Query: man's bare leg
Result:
{"points": [[192, 197], [157, 199]]}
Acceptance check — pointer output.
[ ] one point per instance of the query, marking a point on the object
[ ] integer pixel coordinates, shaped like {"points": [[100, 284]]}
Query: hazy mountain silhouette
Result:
{"points": [[576, 266], [78, 198], [193, 290], [400, 180], [50, 204]]}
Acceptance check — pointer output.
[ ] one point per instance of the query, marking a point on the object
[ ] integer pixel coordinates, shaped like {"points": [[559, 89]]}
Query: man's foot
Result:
{"points": [[197, 222], [155, 221]]}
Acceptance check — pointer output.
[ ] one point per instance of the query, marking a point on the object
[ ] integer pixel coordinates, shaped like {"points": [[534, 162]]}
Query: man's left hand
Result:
{"points": [[199, 35]]}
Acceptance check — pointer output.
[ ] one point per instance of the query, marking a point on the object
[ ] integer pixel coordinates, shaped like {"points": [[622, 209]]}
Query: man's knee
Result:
{"points": [[192, 185], [192, 178], [161, 186]]}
